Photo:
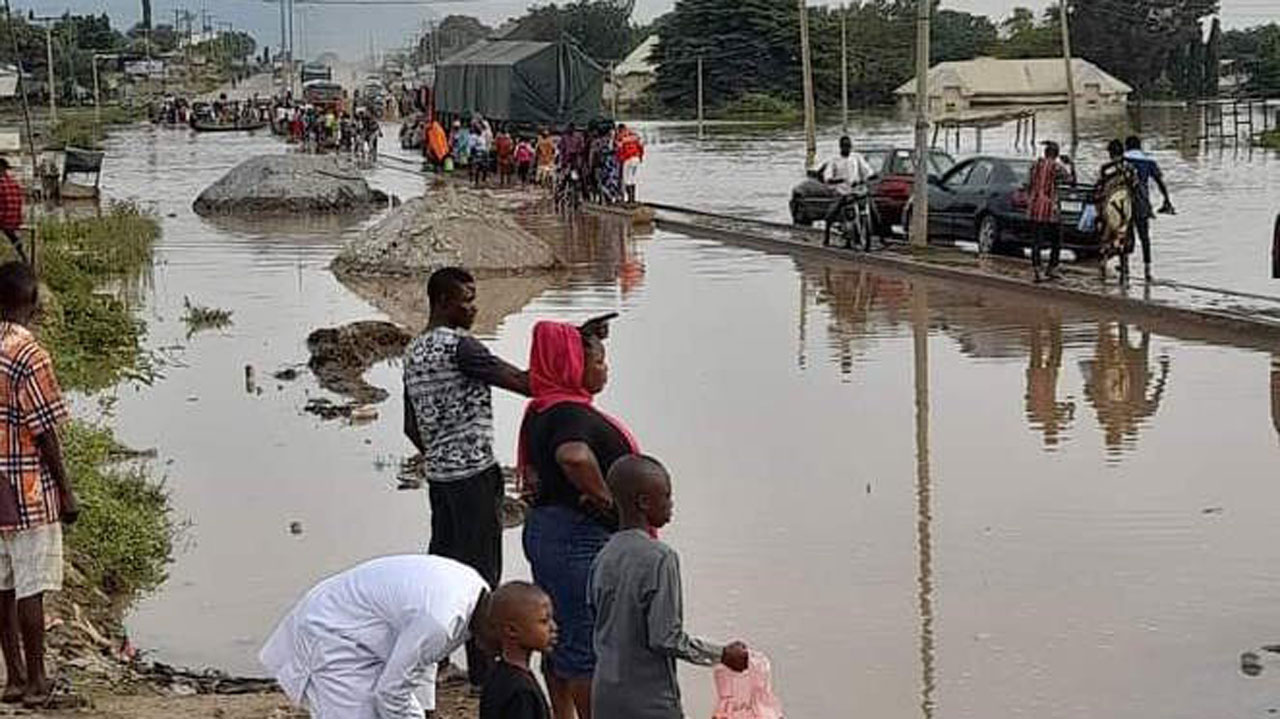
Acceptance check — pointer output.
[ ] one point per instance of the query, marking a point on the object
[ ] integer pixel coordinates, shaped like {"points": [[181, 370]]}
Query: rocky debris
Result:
{"points": [[512, 511], [446, 227], [341, 355], [295, 183], [404, 299]]}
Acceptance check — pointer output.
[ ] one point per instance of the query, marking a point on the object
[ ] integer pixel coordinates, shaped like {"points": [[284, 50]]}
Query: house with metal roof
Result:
{"points": [[631, 77], [987, 82]]}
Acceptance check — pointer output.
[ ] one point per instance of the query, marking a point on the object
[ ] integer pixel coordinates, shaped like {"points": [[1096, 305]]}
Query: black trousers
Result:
{"points": [[1142, 227], [466, 525], [1050, 232]]}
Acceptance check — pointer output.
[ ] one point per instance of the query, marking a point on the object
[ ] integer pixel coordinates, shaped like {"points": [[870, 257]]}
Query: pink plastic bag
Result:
{"points": [[748, 695]]}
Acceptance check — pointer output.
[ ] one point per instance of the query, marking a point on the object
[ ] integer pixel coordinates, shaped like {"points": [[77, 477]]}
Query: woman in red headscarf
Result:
{"points": [[566, 449]]}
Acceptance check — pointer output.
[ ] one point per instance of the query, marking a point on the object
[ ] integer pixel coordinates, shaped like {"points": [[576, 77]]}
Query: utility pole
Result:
{"points": [[844, 69], [53, 104], [699, 97], [810, 139], [919, 230], [1071, 80]]}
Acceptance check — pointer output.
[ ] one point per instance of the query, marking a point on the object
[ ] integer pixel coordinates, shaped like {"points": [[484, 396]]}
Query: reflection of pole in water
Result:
{"points": [[1275, 392], [924, 517], [804, 320]]}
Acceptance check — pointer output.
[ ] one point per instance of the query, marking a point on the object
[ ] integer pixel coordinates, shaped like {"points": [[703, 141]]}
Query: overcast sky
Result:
{"points": [[349, 30]]}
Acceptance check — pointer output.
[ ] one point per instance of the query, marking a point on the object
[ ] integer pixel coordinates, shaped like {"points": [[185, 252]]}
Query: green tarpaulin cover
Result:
{"points": [[521, 81]]}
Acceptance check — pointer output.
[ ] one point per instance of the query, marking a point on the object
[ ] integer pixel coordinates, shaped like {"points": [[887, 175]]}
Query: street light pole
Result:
{"points": [[1071, 81], [53, 104], [810, 140], [844, 68], [919, 230]]}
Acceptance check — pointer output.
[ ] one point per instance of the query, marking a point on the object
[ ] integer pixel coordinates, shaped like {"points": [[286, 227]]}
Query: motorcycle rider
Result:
{"points": [[844, 171]]}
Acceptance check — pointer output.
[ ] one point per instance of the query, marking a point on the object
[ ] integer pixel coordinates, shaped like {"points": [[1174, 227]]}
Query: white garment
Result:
{"points": [[630, 170], [361, 642], [848, 171]]}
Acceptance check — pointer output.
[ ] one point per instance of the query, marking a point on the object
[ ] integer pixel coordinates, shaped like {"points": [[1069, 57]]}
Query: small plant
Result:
{"points": [[199, 317]]}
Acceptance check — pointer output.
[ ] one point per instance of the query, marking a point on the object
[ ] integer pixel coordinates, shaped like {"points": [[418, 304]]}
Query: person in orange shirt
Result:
{"points": [[630, 155]]}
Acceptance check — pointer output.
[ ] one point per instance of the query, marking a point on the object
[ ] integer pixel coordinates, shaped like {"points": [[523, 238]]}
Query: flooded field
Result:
{"points": [[918, 498]]}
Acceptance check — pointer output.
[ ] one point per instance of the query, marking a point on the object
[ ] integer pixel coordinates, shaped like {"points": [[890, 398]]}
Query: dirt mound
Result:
{"points": [[341, 355], [294, 183], [449, 226]]}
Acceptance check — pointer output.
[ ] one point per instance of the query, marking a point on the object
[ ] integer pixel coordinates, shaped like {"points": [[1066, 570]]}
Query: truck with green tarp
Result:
{"points": [[521, 81]]}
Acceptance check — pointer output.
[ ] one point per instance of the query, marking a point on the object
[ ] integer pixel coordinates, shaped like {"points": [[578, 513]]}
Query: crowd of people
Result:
{"points": [[329, 128], [604, 608], [599, 163]]}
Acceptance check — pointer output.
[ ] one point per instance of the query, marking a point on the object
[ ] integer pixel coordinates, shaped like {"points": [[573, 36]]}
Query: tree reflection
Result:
{"points": [[1120, 384], [1044, 411]]}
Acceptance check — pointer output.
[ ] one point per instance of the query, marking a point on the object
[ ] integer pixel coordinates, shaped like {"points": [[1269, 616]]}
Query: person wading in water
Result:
{"points": [[1042, 208]]}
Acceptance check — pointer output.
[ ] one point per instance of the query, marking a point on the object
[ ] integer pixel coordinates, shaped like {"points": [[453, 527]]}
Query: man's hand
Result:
{"points": [[69, 507], [598, 502], [735, 656]]}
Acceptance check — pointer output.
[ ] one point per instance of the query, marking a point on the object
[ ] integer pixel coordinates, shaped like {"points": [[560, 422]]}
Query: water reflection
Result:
{"points": [[1120, 385], [1044, 411], [924, 494], [1275, 392]]}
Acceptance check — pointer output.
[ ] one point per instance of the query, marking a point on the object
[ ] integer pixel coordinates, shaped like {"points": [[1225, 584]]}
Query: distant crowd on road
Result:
{"points": [[597, 163]]}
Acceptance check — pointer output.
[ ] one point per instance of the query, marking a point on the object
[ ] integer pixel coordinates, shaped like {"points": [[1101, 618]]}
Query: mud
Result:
{"points": [[404, 299], [341, 355]]}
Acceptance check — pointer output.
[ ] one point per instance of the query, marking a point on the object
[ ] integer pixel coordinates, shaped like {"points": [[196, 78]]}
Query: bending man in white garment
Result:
{"points": [[361, 643]]}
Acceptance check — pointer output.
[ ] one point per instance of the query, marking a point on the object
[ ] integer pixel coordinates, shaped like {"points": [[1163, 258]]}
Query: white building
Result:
{"points": [[633, 75], [988, 82]]}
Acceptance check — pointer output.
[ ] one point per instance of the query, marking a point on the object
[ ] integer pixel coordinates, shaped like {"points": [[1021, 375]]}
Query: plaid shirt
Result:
{"points": [[10, 203], [30, 405], [1045, 176]]}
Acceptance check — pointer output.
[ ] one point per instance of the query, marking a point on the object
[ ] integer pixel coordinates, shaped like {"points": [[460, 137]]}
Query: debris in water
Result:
{"points": [[328, 409], [364, 413], [1273, 648], [1211, 510], [340, 356], [1250, 664], [249, 384], [288, 374], [199, 317], [295, 527]]}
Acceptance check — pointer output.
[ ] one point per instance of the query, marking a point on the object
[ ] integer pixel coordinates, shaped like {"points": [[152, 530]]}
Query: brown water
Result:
{"points": [[915, 497]]}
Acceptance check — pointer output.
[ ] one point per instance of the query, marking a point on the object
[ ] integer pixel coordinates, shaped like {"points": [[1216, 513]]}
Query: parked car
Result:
{"points": [[890, 186], [984, 200]]}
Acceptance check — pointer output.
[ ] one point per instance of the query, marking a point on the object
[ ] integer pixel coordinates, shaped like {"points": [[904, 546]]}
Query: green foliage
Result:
{"points": [[961, 36], [1270, 139], [93, 337], [1139, 41], [601, 29], [200, 317], [1256, 54], [453, 34], [1027, 38], [123, 540]]}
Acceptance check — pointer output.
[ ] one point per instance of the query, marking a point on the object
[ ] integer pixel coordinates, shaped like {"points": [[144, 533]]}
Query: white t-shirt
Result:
{"points": [[847, 171]]}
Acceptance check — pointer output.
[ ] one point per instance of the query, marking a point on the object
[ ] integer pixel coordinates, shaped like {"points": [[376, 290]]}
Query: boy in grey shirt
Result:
{"points": [[635, 592]]}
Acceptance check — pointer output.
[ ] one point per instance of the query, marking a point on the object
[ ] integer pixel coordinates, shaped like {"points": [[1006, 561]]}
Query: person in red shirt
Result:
{"points": [[11, 208], [505, 149], [630, 155], [1042, 208]]}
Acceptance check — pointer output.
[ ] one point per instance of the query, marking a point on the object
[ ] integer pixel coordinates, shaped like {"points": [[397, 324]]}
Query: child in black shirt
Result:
{"points": [[522, 624]]}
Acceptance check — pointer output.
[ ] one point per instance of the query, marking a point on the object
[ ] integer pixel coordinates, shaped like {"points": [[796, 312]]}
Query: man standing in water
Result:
{"points": [[1148, 170], [448, 415], [35, 492], [1042, 208]]}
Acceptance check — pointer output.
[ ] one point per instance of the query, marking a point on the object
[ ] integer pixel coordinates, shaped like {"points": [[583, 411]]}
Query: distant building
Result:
{"points": [[987, 82], [634, 75]]}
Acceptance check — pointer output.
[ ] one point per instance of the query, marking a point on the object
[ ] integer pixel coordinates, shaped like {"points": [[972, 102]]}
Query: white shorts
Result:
{"points": [[630, 169], [31, 560]]}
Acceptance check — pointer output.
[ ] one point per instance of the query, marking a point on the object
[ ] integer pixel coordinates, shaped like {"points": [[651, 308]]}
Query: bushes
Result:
{"points": [[124, 538]]}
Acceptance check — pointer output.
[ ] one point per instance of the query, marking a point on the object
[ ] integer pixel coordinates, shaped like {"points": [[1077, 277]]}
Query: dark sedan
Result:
{"points": [[984, 200], [890, 186]]}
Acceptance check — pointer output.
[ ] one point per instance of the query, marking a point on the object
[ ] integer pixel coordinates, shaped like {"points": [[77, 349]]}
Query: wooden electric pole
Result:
{"points": [[844, 69], [810, 140], [1071, 80], [919, 229], [699, 97]]}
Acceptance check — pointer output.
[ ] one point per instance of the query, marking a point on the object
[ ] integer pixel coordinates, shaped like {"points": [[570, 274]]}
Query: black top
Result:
{"points": [[563, 423], [512, 693]]}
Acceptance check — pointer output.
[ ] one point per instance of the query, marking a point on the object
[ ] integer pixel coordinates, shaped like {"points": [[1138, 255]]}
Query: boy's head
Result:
{"points": [[521, 617], [641, 490], [1133, 142], [19, 292]]}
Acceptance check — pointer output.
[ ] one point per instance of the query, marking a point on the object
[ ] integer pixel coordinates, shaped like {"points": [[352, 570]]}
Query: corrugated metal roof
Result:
{"points": [[637, 63], [496, 52], [1037, 76]]}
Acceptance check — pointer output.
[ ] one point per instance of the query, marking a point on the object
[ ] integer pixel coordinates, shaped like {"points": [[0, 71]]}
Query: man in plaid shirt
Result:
{"points": [[35, 493], [11, 208]]}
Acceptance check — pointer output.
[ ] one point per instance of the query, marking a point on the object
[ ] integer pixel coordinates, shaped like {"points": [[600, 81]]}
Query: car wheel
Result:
{"points": [[988, 235]]}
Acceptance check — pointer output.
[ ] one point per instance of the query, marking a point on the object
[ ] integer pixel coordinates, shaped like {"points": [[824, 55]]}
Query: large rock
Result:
{"points": [[293, 183], [446, 227]]}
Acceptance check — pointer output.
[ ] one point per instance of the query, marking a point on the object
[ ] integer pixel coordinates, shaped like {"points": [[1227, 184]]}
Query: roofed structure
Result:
{"points": [[988, 82]]}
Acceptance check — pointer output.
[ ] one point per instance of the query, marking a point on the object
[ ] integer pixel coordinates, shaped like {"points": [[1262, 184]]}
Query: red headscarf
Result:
{"points": [[556, 362]]}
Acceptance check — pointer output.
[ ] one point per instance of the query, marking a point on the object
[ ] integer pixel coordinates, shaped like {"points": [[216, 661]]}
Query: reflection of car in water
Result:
{"points": [[890, 186], [984, 200]]}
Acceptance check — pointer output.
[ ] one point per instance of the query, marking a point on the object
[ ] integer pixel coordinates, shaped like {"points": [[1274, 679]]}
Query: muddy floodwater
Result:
{"points": [[917, 498]]}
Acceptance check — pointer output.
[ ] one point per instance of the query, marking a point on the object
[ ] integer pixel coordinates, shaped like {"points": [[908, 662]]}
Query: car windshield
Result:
{"points": [[875, 158], [1021, 171], [903, 164]]}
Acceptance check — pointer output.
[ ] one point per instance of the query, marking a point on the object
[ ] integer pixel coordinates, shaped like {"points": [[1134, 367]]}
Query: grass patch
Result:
{"points": [[758, 106], [199, 317], [1270, 140], [123, 541], [78, 128], [93, 336]]}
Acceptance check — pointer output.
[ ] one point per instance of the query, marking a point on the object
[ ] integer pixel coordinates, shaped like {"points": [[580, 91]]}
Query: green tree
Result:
{"points": [[602, 29], [1213, 60], [961, 36], [1136, 40], [454, 33], [1024, 37]]}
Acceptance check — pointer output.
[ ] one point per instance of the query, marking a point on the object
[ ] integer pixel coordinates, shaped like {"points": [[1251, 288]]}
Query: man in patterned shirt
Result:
{"points": [[1042, 207], [35, 494], [448, 415]]}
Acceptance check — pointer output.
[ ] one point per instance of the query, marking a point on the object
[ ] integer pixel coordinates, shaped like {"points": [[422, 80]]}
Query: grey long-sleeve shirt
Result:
{"points": [[639, 629]]}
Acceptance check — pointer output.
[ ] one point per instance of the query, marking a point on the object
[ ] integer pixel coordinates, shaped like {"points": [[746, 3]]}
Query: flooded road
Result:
{"points": [[919, 499]]}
